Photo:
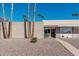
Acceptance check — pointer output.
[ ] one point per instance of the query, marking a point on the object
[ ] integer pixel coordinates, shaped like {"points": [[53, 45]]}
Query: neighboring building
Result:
{"points": [[48, 29]]}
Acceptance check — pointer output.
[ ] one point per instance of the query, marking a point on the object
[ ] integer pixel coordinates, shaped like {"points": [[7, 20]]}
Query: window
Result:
{"points": [[65, 30], [47, 30]]}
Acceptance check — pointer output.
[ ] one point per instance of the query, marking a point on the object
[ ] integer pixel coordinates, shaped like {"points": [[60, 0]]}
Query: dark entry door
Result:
{"points": [[53, 33]]}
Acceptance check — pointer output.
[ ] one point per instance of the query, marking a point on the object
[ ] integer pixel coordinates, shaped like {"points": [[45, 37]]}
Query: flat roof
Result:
{"points": [[61, 22]]}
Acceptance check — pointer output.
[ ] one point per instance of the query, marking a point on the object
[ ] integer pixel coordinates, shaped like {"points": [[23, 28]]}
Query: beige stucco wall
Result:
{"points": [[39, 30], [18, 30]]}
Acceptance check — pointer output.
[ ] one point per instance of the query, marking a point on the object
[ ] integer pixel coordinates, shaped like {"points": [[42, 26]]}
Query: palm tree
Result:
{"points": [[29, 23], [34, 15], [41, 16], [10, 23], [25, 20], [4, 22], [75, 14], [0, 26]]}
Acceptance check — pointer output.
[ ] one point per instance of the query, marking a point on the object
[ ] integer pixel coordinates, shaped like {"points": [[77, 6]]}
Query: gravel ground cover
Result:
{"points": [[22, 47]]}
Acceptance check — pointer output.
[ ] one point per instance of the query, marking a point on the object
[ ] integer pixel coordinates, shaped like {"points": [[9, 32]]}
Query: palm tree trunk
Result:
{"points": [[29, 27], [10, 23], [4, 23], [34, 15], [10, 29], [0, 30], [25, 32]]}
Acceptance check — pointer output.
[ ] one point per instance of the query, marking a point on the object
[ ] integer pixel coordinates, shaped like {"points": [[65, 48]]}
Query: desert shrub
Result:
{"points": [[34, 40]]}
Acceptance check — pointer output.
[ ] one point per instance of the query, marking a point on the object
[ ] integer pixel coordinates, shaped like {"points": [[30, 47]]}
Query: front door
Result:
{"points": [[47, 32], [53, 34]]}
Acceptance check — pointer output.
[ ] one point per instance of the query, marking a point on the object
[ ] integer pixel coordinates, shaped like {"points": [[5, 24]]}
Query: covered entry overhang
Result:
{"points": [[61, 22]]}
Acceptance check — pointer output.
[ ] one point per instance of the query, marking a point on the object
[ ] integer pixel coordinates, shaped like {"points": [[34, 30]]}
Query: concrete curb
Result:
{"points": [[70, 47]]}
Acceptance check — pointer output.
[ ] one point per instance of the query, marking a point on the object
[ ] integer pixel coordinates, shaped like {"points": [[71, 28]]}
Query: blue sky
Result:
{"points": [[51, 11]]}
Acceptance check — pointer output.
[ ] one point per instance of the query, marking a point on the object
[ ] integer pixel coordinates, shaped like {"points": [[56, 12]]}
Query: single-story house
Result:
{"points": [[48, 29]]}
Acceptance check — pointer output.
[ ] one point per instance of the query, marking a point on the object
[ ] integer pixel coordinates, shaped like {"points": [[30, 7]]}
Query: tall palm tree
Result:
{"points": [[29, 24], [33, 25], [25, 30], [10, 23], [4, 22], [0, 27], [75, 14], [41, 16]]}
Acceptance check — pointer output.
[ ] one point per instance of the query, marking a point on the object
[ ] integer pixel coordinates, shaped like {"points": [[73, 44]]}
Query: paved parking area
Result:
{"points": [[22, 47]]}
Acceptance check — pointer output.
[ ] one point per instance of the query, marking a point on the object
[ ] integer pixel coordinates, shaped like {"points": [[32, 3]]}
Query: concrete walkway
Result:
{"points": [[70, 47], [74, 42]]}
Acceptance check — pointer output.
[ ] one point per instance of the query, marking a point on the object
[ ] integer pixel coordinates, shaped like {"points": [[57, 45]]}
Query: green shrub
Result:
{"points": [[34, 40]]}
